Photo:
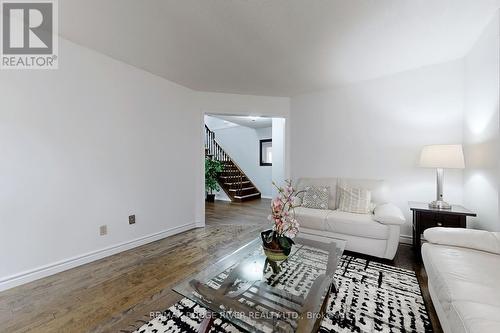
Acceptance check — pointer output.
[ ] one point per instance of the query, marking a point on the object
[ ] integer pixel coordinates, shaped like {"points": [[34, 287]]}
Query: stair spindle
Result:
{"points": [[232, 177]]}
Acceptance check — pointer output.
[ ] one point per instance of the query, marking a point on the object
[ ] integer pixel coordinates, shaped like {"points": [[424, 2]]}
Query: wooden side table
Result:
{"points": [[425, 217]]}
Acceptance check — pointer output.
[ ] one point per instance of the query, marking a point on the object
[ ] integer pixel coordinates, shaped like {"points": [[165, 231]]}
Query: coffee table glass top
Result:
{"points": [[244, 289]]}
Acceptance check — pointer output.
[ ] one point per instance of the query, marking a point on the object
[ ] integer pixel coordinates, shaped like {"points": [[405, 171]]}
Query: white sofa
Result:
{"points": [[361, 231], [463, 269]]}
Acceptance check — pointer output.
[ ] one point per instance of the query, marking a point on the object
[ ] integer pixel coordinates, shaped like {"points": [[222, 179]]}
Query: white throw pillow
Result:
{"points": [[354, 200], [297, 201], [316, 197], [388, 214]]}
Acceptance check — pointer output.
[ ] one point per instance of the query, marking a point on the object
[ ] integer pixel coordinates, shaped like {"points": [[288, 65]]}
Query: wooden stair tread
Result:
{"points": [[232, 177], [243, 182], [241, 189], [246, 196]]}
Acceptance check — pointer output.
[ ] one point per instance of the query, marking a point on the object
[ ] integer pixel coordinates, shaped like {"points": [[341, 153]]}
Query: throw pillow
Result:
{"points": [[388, 214], [354, 200], [316, 197], [297, 202]]}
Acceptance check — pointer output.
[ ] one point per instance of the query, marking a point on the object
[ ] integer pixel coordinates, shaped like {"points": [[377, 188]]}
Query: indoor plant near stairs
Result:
{"points": [[278, 241], [212, 170]]}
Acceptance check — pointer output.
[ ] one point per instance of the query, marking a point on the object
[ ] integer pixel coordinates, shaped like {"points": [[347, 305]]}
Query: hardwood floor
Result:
{"points": [[118, 293]]}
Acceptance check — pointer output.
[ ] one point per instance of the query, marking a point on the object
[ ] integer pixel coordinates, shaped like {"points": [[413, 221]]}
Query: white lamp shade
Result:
{"points": [[442, 156]]}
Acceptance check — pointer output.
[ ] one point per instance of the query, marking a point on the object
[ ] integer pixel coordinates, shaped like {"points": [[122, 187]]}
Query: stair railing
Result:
{"points": [[213, 147], [240, 190], [219, 154]]}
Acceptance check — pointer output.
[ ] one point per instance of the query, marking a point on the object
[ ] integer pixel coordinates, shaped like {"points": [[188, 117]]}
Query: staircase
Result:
{"points": [[232, 179]]}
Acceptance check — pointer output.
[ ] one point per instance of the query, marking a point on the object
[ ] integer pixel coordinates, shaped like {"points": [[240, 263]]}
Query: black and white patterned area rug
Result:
{"points": [[370, 297]]}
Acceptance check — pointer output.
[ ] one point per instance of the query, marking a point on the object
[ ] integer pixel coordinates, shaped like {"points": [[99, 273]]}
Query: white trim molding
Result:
{"points": [[63, 265], [405, 239], [199, 223]]}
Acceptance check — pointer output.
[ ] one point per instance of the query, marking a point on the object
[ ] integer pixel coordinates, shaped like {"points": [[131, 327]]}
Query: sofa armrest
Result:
{"points": [[388, 214], [468, 238]]}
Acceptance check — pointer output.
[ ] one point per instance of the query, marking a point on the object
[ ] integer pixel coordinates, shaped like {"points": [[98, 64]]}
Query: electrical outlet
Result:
{"points": [[131, 219], [103, 230]]}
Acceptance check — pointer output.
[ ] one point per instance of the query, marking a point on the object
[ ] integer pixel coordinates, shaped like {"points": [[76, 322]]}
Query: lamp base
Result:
{"points": [[439, 204]]}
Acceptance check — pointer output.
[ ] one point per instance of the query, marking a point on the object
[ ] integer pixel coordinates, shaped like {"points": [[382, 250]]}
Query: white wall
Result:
{"points": [[265, 132], [481, 128], [91, 143], [376, 129], [279, 171], [88, 145], [242, 144]]}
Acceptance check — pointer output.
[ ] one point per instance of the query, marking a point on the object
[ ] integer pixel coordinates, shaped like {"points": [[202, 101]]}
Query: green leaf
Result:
{"points": [[267, 236], [212, 170], [287, 251], [284, 243]]}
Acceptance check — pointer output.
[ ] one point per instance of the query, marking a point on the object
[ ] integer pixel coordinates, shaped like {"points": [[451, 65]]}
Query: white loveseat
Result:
{"points": [[363, 233], [463, 270]]}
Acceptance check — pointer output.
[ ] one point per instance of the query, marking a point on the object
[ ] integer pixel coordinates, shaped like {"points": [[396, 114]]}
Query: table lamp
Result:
{"points": [[441, 157]]}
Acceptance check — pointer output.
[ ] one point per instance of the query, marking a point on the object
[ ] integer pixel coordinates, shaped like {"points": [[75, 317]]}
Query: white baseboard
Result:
{"points": [[405, 239], [50, 269], [199, 223], [222, 199], [266, 197]]}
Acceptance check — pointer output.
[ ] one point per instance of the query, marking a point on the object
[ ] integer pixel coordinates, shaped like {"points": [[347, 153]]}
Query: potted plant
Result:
{"points": [[278, 241], [212, 170]]}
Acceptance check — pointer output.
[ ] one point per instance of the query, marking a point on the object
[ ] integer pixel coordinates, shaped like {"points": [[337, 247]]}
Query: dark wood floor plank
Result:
{"points": [[118, 292]]}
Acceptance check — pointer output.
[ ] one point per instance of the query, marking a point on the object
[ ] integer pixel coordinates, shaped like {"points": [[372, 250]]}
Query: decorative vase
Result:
{"points": [[210, 197], [274, 255], [275, 249]]}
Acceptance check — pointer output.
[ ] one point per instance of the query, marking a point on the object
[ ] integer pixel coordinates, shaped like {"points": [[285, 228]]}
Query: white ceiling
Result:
{"points": [[275, 47], [252, 122]]}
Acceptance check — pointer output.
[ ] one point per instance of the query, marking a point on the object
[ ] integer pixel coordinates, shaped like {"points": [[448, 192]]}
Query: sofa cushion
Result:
{"points": [[388, 213], [302, 183], [461, 274], [361, 225], [474, 318], [462, 279], [377, 188], [316, 197], [354, 200], [311, 218]]}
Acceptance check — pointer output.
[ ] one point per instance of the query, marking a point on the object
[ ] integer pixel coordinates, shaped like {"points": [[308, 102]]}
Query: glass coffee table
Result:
{"points": [[244, 290]]}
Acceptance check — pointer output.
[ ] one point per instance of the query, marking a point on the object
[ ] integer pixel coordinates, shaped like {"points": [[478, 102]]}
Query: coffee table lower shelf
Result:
{"points": [[243, 290]]}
